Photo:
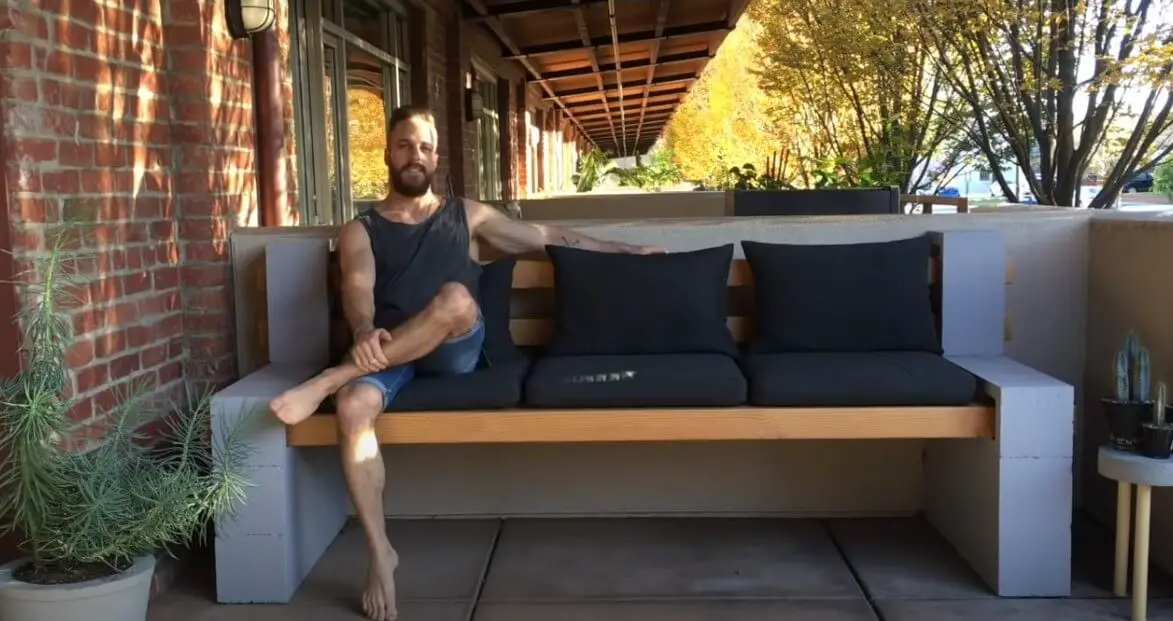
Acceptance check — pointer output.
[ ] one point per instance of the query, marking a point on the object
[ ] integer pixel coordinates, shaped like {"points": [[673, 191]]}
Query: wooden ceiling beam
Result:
{"points": [[665, 80], [667, 106], [619, 68], [675, 92], [671, 32], [649, 129], [534, 7], [600, 124], [585, 37], [661, 18], [673, 59], [494, 24]]}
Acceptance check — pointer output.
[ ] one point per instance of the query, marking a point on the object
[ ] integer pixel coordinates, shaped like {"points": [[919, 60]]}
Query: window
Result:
{"points": [[342, 108], [531, 154], [488, 129]]}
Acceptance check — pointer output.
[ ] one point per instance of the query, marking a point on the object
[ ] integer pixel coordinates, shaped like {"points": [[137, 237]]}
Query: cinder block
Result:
{"points": [[973, 292], [295, 507]]}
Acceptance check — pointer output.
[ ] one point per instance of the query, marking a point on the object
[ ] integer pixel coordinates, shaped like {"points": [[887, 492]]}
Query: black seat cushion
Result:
{"points": [[494, 289], [614, 303], [664, 380], [857, 379], [498, 386], [843, 297]]}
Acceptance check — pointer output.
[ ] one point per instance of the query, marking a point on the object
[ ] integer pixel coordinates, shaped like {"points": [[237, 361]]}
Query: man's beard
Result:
{"points": [[411, 187]]}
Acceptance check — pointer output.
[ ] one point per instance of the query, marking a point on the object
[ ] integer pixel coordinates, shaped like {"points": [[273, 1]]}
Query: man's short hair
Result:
{"points": [[410, 111]]}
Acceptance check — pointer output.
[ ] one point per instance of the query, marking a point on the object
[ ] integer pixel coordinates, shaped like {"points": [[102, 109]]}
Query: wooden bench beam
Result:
{"points": [[661, 425]]}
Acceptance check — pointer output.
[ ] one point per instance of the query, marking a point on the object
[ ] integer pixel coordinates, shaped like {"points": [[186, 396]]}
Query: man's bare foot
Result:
{"points": [[297, 404], [378, 600]]}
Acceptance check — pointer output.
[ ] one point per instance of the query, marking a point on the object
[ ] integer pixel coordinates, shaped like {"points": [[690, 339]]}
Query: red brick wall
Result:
{"points": [[437, 18], [508, 107], [520, 138], [210, 87], [454, 134], [288, 208], [141, 128]]}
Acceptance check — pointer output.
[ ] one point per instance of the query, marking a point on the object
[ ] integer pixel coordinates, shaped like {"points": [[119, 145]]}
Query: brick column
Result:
{"points": [[507, 125], [212, 138], [456, 52], [521, 132]]}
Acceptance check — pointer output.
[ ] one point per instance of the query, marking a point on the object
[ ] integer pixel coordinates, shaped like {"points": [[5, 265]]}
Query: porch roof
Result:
{"points": [[618, 68]]}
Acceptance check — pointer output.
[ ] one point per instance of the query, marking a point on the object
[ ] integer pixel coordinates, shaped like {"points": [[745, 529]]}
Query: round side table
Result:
{"points": [[1129, 469]]}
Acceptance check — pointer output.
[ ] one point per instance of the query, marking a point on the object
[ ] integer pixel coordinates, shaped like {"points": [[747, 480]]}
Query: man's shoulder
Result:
{"points": [[472, 210], [469, 204], [354, 231]]}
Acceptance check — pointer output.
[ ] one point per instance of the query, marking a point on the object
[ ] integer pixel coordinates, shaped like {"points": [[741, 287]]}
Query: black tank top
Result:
{"points": [[412, 261]]}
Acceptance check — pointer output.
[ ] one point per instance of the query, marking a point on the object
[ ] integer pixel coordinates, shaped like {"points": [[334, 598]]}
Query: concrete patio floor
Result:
{"points": [[675, 569]]}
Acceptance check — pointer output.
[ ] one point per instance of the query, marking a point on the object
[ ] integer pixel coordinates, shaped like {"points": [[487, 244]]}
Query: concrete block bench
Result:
{"points": [[877, 341]]}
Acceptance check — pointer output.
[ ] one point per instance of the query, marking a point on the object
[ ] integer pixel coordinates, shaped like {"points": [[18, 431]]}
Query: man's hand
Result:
{"points": [[367, 351]]}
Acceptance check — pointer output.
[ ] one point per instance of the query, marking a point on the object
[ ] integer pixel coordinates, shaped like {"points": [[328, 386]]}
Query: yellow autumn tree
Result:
{"points": [[724, 121], [367, 137], [1052, 79], [862, 86]]}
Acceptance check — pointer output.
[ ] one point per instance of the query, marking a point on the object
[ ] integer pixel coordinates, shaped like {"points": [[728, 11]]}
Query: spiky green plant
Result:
{"points": [[1159, 405], [1140, 376], [1130, 369], [1120, 371], [123, 497]]}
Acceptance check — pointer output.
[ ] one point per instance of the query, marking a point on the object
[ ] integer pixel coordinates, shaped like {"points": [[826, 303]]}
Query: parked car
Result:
{"points": [[1142, 182], [949, 191]]}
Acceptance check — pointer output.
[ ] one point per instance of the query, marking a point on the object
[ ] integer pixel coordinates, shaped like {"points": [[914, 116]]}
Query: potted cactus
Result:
{"points": [[1156, 437], [1131, 408]]}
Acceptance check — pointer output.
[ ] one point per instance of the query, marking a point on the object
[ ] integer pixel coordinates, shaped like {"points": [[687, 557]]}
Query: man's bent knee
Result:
{"points": [[456, 306], [358, 404]]}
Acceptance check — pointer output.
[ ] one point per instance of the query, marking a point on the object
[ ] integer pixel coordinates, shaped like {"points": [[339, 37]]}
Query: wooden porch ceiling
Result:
{"points": [[618, 68]]}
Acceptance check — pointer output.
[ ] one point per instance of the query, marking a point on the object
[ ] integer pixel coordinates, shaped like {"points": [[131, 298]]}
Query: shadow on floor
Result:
{"points": [[696, 569]]}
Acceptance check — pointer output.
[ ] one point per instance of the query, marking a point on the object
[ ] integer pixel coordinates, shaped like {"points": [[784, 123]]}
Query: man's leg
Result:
{"points": [[359, 404], [453, 312], [456, 356]]}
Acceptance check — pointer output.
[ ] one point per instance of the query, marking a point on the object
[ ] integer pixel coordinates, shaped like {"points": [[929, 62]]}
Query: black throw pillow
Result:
{"points": [[843, 297], [613, 303], [494, 296]]}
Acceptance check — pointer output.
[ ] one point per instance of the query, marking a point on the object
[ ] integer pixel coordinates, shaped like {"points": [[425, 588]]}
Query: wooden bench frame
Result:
{"points": [[747, 422], [997, 475]]}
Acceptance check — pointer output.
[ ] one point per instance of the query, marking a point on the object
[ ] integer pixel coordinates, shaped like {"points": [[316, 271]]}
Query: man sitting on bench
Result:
{"points": [[407, 272]]}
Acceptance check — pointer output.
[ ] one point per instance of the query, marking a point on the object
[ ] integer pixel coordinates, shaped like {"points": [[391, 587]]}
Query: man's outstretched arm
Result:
{"points": [[518, 237]]}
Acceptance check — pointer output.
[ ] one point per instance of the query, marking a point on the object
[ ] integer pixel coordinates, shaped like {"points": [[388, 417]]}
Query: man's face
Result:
{"points": [[411, 156]]}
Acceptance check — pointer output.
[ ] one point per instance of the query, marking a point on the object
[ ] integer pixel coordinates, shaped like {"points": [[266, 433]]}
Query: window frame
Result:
{"points": [[488, 132], [309, 30]]}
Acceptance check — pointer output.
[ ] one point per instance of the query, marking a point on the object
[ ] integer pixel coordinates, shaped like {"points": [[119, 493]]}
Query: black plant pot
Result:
{"points": [[1125, 420], [1156, 441]]}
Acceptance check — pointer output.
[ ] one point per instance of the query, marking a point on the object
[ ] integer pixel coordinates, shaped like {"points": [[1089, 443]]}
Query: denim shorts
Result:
{"points": [[455, 356]]}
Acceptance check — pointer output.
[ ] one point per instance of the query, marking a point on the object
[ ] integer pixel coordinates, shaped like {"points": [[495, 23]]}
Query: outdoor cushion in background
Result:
{"points": [[495, 287], [843, 297], [615, 303]]}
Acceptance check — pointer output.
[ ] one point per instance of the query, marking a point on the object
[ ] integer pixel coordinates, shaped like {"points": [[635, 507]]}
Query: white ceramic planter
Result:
{"points": [[121, 597]]}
